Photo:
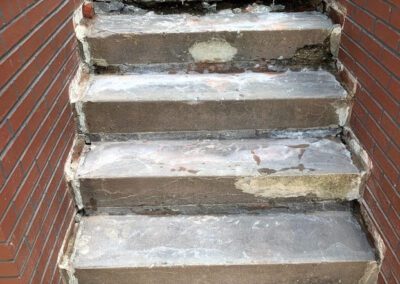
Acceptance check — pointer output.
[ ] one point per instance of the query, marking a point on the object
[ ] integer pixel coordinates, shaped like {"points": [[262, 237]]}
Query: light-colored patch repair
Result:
{"points": [[327, 186], [213, 51], [100, 62]]}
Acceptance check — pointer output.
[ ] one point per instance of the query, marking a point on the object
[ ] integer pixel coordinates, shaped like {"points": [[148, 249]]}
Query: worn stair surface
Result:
{"points": [[190, 102], [151, 173], [219, 37], [322, 247], [189, 175]]}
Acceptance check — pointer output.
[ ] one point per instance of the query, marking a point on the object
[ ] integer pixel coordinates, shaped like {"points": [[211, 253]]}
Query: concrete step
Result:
{"points": [[204, 172], [211, 102], [321, 247], [225, 36]]}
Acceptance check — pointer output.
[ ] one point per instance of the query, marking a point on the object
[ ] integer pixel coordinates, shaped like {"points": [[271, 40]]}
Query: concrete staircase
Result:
{"points": [[212, 155]]}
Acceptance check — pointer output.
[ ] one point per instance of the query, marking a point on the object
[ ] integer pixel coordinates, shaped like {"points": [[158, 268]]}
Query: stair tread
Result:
{"points": [[212, 87], [194, 158], [151, 241], [151, 23]]}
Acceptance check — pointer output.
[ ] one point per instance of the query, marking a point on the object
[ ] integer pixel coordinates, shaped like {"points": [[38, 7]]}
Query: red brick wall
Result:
{"points": [[370, 49], [38, 58]]}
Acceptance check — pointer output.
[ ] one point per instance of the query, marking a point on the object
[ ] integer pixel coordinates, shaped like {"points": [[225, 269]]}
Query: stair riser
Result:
{"points": [[131, 117], [324, 273], [133, 192], [134, 49]]}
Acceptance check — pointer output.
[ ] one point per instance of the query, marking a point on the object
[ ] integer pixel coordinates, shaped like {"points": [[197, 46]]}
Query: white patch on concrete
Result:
{"points": [[343, 114], [335, 40], [215, 50], [81, 116], [70, 170], [77, 194], [358, 150]]}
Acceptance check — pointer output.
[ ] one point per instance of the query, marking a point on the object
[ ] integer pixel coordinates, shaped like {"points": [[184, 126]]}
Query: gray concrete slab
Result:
{"points": [[318, 247], [124, 174], [193, 102], [219, 37]]}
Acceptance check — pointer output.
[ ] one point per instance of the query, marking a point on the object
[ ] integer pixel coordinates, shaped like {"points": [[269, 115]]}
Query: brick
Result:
{"points": [[10, 188], [394, 88], [5, 135], [387, 167], [362, 134], [13, 268], [394, 17], [391, 61], [32, 44], [375, 110], [391, 128], [387, 35], [34, 35], [28, 103], [363, 19], [24, 24], [381, 221], [379, 8]]}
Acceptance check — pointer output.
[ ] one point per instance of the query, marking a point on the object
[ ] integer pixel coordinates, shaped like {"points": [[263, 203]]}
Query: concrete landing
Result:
{"points": [[211, 102], [321, 247], [151, 173], [213, 38]]}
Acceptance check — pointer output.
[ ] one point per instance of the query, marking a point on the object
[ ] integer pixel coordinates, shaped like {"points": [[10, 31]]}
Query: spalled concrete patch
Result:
{"points": [[212, 51], [321, 187]]}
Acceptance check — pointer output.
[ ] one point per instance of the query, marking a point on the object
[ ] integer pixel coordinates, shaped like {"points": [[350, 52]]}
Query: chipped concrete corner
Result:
{"points": [[77, 89], [370, 274], [71, 167], [215, 50], [80, 26], [348, 80], [336, 34], [66, 265]]}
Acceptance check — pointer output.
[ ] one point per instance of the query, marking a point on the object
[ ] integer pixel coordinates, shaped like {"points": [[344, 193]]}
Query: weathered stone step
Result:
{"points": [[321, 247], [211, 102], [221, 37], [204, 172]]}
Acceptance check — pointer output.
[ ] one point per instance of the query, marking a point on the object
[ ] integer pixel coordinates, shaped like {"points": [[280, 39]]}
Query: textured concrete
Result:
{"points": [[151, 103], [321, 247], [124, 174], [152, 38]]}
